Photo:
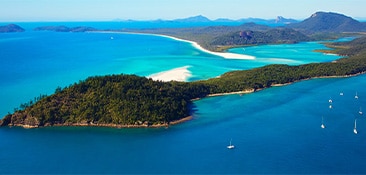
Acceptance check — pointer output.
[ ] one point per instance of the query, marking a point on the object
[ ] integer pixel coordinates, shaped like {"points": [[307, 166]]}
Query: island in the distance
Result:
{"points": [[11, 28], [65, 29], [132, 101]]}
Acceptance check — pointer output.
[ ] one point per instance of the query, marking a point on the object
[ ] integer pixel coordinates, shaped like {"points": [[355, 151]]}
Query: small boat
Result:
{"points": [[330, 101], [355, 129], [360, 111], [356, 96], [330, 106], [341, 93], [112, 38], [230, 146], [322, 126]]}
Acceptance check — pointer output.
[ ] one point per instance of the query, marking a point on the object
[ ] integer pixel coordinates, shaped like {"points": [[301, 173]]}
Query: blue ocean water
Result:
{"points": [[276, 130], [34, 63]]}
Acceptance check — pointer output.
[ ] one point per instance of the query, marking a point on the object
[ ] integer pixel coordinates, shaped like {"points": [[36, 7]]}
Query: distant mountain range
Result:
{"points": [[319, 26], [65, 29], [279, 20], [317, 23], [202, 19]]}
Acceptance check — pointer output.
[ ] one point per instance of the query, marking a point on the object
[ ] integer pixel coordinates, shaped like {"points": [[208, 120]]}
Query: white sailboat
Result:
{"points": [[356, 96], [360, 111], [322, 126], [341, 93], [230, 146], [355, 129]]}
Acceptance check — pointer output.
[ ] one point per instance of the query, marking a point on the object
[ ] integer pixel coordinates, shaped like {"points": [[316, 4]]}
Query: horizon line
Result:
{"points": [[161, 19]]}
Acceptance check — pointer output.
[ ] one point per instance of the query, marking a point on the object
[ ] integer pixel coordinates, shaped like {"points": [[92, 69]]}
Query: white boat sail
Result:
{"points": [[355, 129], [322, 126]]}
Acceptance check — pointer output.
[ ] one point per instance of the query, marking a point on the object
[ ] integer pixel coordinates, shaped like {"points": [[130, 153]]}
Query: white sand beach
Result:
{"points": [[226, 55], [221, 54], [177, 74], [182, 73]]}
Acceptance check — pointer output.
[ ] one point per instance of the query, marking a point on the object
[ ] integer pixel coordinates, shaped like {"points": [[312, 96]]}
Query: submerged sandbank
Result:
{"points": [[177, 74], [226, 55]]}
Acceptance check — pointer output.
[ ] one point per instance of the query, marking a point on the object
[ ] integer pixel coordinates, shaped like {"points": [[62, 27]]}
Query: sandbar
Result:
{"points": [[176, 74], [226, 55]]}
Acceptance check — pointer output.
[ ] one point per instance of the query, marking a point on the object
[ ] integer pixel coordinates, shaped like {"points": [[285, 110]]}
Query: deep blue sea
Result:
{"points": [[276, 130]]}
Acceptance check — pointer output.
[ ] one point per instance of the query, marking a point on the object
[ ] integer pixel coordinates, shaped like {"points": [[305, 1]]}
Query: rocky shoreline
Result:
{"points": [[91, 124]]}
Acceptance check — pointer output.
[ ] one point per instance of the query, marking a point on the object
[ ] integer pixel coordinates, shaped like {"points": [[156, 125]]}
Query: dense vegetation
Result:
{"points": [[266, 76], [115, 99], [274, 36]]}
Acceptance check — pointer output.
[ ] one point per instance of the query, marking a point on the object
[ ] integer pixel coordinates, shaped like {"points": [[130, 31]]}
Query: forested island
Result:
{"points": [[133, 101], [65, 29]]}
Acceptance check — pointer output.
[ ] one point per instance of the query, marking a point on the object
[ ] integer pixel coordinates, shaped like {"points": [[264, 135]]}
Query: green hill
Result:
{"points": [[248, 37], [117, 100], [329, 22]]}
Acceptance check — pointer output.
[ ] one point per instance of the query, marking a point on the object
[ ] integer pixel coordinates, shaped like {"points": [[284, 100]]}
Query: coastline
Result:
{"points": [[232, 93], [225, 55], [166, 125], [279, 85], [182, 120]]}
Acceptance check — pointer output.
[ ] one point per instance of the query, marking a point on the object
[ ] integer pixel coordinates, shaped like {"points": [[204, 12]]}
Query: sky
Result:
{"points": [[106, 10]]}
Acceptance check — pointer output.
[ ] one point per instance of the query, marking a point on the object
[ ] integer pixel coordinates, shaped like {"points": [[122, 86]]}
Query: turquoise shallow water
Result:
{"points": [[34, 63], [276, 130]]}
